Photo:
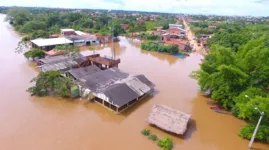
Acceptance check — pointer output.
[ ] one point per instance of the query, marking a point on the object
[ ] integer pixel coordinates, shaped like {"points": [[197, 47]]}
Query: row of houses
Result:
{"points": [[100, 80], [174, 35]]}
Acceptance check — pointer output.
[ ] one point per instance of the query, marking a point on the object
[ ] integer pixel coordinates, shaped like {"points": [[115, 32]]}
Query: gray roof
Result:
{"points": [[61, 62], [145, 80], [120, 94], [58, 66], [119, 87], [53, 59], [59, 58], [78, 73], [99, 81]]}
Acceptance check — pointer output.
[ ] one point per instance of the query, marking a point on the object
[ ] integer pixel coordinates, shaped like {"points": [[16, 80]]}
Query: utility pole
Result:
{"points": [[257, 126], [112, 28]]}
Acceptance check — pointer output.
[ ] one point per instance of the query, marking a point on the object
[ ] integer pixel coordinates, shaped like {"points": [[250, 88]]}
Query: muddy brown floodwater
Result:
{"points": [[31, 123]]}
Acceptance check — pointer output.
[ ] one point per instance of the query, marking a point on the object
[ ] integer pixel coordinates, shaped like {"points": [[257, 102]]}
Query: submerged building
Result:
{"points": [[112, 88], [49, 44]]}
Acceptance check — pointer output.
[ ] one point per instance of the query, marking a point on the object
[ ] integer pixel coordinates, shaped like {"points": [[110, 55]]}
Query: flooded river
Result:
{"points": [[31, 123]]}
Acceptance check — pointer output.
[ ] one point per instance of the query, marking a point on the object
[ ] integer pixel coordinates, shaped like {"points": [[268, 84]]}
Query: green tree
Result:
{"points": [[247, 131], [17, 15], [51, 83], [165, 26], [166, 143], [32, 26], [34, 53], [238, 66], [117, 29]]}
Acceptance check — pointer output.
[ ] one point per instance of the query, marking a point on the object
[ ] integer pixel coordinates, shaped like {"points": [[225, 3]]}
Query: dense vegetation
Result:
{"points": [[51, 83], [38, 23], [247, 131], [238, 65], [41, 23], [34, 53], [151, 37], [160, 47]]}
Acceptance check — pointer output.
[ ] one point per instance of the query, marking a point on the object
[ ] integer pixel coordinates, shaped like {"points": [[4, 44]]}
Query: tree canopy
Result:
{"points": [[51, 83], [238, 65]]}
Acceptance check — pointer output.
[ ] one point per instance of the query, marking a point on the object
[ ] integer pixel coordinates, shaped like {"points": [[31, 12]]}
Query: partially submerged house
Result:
{"points": [[49, 44], [62, 63], [169, 119], [113, 88], [182, 44], [81, 59]]}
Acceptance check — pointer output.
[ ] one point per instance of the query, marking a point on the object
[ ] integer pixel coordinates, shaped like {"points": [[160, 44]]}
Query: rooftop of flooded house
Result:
{"points": [[118, 87], [169, 119]]}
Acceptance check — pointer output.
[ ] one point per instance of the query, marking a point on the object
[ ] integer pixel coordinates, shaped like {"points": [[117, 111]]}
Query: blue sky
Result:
{"points": [[219, 7]]}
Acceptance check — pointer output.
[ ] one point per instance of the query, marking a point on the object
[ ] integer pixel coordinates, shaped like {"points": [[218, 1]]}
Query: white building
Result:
{"points": [[177, 26]]}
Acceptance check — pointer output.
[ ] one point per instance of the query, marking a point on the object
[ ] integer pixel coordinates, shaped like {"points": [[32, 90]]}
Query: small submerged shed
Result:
{"points": [[169, 119]]}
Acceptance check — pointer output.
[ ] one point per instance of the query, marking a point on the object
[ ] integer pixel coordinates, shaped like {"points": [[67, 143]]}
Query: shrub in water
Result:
{"points": [[262, 135], [145, 132], [166, 143], [153, 137], [34, 53]]}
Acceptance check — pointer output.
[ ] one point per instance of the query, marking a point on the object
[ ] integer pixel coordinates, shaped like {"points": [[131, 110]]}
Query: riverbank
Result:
{"points": [[52, 123]]}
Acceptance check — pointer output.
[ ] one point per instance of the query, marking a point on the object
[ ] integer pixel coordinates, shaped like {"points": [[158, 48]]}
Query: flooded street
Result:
{"points": [[32, 123]]}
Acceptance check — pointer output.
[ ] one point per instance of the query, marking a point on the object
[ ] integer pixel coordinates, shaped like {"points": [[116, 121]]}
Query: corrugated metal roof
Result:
{"points": [[59, 66], [119, 87], [53, 59], [145, 80], [120, 94], [99, 81], [84, 71]]}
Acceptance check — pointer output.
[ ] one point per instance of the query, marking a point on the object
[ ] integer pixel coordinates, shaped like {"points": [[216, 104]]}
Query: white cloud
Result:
{"points": [[220, 7]]}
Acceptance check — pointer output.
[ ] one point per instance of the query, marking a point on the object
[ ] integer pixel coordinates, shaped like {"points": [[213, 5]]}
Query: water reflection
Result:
{"points": [[162, 56]]}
